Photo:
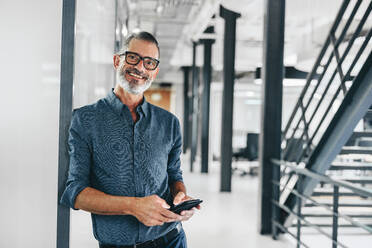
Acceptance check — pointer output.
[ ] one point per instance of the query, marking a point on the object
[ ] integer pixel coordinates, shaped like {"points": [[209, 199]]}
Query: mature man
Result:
{"points": [[125, 158]]}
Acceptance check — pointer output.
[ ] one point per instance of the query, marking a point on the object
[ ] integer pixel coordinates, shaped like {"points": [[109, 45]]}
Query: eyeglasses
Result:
{"points": [[133, 58]]}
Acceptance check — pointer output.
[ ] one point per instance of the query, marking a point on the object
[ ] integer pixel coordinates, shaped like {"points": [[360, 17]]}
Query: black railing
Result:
{"points": [[332, 209], [323, 91]]}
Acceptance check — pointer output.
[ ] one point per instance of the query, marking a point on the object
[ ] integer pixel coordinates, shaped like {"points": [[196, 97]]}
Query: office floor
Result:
{"points": [[225, 220]]}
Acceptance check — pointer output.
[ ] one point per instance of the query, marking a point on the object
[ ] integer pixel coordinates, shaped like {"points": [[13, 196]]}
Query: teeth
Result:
{"points": [[135, 75]]}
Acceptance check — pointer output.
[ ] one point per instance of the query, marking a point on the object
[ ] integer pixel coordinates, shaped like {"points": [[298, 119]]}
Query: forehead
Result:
{"points": [[144, 48]]}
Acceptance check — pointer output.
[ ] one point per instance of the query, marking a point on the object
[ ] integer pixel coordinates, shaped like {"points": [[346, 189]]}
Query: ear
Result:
{"points": [[116, 61]]}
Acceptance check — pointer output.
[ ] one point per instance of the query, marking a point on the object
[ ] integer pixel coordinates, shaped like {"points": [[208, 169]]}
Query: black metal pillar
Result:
{"points": [[65, 110], [186, 108], [194, 108], [271, 118], [207, 71], [227, 96]]}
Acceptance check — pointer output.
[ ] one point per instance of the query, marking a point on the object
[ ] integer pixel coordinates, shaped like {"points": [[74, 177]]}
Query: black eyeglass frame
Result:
{"points": [[140, 58]]}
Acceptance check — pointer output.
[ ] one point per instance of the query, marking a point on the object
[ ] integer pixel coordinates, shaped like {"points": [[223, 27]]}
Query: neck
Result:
{"points": [[132, 101]]}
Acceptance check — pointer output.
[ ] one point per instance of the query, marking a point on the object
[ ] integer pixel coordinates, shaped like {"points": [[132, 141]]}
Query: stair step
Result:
{"points": [[348, 205], [357, 135], [361, 134], [331, 215], [356, 150], [330, 225], [351, 166], [330, 193], [361, 180]]}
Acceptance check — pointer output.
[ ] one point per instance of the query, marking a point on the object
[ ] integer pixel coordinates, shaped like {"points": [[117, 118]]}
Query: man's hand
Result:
{"points": [[186, 214], [153, 211]]}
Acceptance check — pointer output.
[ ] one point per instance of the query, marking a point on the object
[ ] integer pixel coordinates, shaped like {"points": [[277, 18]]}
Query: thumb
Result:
{"points": [[178, 198], [165, 205]]}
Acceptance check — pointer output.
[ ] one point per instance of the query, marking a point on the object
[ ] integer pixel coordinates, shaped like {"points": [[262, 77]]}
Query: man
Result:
{"points": [[125, 158]]}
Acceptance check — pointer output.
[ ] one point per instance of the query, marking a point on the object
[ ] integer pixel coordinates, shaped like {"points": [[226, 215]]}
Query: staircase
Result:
{"points": [[336, 96]]}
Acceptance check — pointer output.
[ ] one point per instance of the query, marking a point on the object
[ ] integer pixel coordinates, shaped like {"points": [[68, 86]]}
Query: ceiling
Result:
{"points": [[176, 23]]}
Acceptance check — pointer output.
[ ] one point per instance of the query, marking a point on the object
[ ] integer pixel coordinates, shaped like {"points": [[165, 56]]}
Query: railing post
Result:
{"points": [[275, 197], [335, 216], [299, 207]]}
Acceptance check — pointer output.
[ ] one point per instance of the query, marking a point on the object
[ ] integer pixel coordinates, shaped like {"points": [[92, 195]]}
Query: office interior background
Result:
{"points": [[281, 153]]}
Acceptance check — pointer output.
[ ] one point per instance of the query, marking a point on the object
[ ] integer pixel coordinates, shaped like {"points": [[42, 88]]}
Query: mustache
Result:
{"points": [[134, 70]]}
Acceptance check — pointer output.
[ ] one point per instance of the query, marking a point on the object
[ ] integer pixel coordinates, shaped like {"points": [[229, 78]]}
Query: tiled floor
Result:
{"points": [[225, 220]]}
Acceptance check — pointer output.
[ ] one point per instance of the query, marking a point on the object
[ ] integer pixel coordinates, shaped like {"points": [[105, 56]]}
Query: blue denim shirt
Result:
{"points": [[111, 153]]}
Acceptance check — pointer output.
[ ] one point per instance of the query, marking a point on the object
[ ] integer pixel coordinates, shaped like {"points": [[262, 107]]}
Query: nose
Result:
{"points": [[140, 66]]}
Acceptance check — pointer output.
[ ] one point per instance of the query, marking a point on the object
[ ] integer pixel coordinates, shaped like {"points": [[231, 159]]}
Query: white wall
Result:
{"points": [[29, 105], [94, 49], [93, 79], [247, 112]]}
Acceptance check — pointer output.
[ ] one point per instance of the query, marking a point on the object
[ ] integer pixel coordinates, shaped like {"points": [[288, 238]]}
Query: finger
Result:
{"points": [[159, 217], [163, 203], [187, 213], [179, 197], [164, 219], [186, 216], [170, 215]]}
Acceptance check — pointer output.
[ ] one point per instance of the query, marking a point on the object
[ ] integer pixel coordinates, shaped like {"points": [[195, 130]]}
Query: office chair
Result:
{"points": [[250, 153]]}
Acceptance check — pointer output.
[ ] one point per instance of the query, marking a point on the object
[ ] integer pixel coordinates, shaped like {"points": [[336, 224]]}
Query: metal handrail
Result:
{"points": [[301, 220], [337, 43], [303, 107], [303, 171], [317, 63], [307, 120], [284, 229], [320, 230], [345, 217], [364, 45]]}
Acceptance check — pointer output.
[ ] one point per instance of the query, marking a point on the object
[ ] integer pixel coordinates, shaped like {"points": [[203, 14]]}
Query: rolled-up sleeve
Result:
{"points": [[80, 161], [174, 162]]}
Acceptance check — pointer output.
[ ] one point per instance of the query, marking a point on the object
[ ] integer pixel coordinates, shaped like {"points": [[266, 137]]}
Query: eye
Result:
{"points": [[150, 62], [131, 56]]}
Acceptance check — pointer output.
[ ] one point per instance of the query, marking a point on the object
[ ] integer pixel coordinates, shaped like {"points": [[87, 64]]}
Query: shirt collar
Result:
{"points": [[118, 106]]}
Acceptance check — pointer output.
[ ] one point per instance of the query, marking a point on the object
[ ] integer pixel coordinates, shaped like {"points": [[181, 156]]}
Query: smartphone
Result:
{"points": [[186, 205]]}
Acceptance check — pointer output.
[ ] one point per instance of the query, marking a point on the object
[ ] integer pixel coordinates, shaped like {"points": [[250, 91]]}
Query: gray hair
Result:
{"points": [[143, 35]]}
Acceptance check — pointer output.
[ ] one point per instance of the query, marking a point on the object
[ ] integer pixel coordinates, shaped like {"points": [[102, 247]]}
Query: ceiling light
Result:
{"points": [[250, 93], [286, 82], [159, 9], [258, 81], [293, 82], [252, 101]]}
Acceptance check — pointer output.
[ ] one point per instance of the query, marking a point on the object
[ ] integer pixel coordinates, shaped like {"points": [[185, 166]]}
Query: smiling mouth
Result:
{"points": [[136, 75]]}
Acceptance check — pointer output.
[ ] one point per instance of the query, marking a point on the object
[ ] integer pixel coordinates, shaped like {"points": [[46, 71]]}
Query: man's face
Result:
{"points": [[136, 79]]}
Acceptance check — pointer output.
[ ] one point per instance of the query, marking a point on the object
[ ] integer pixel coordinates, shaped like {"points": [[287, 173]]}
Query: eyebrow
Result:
{"points": [[141, 55]]}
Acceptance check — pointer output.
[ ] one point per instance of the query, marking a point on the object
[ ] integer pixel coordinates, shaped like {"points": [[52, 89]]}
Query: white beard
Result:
{"points": [[131, 87]]}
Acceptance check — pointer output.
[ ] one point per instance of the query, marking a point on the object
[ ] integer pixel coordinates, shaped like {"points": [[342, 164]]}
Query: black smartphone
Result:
{"points": [[186, 205]]}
